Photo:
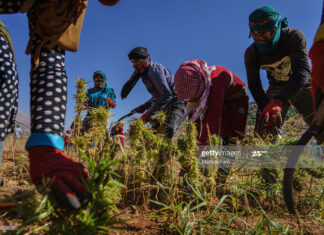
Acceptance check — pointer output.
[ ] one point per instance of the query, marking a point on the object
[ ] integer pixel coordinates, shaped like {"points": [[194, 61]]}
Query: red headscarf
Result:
{"points": [[189, 80], [192, 83]]}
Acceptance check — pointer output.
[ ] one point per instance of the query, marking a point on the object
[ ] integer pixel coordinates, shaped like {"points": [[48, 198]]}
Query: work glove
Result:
{"points": [[144, 117], [316, 55], [65, 174], [111, 103], [141, 109], [271, 114]]}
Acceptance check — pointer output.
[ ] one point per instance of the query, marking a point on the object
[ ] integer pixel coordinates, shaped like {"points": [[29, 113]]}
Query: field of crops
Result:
{"points": [[154, 186]]}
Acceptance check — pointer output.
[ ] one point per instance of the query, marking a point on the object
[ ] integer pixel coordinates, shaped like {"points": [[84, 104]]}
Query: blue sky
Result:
{"points": [[173, 31]]}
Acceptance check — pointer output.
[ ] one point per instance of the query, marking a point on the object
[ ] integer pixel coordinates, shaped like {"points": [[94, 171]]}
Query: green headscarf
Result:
{"points": [[103, 77], [267, 18], [104, 87]]}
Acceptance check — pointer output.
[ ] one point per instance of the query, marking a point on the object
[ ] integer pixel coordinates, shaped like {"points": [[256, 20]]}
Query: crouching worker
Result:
{"points": [[100, 95], [216, 100], [158, 80], [282, 52]]}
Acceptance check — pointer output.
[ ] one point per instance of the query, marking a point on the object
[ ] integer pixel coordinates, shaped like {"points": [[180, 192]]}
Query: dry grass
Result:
{"points": [[163, 191]]}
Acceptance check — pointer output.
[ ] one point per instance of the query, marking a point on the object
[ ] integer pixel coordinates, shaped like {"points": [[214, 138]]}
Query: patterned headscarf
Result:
{"points": [[192, 83], [263, 19]]}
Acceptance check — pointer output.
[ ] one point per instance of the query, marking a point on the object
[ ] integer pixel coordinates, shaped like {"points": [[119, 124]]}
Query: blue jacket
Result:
{"points": [[96, 96], [159, 81]]}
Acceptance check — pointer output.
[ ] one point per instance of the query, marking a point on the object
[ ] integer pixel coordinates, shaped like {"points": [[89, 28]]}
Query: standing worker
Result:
{"points": [[9, 90], [18, 132], [53, 30]]}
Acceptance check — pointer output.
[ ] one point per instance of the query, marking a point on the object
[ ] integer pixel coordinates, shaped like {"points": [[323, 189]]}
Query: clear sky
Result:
{"points": [[173, 31]]}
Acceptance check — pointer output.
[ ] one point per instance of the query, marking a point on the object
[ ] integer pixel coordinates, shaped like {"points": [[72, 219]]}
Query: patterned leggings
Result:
{"points": [[8, 90], [48, 84]]}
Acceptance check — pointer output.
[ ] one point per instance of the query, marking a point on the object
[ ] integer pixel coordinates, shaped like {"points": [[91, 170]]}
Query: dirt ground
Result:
{"points": [[141, 220]]}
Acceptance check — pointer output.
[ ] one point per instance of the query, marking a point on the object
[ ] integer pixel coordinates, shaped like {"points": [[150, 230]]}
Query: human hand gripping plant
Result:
{"points": [[99, 215]]}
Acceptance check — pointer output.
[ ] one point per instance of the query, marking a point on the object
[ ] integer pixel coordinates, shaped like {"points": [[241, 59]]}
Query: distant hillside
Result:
{"points": [[23, 120]]}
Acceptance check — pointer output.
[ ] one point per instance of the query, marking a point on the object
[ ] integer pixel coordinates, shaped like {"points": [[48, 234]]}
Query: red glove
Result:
{"points": [[65, 173], [271, 115], [144, 117], [111, 103], [141, 109], [316, 54]]}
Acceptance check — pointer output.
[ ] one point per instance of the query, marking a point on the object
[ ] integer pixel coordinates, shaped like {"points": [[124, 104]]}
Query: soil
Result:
{"points": [[140, 220]]}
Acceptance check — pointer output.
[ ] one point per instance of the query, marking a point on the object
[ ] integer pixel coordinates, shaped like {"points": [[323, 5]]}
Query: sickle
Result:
{"points": [[314, 130]]}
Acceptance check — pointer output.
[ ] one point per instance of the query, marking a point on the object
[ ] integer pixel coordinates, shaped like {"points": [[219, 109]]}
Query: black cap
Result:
{"points": [[138, 53]]}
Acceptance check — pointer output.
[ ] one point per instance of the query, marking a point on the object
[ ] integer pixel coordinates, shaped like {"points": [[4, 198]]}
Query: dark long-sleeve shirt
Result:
{"points": [[158, 80], [287, 66]]}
